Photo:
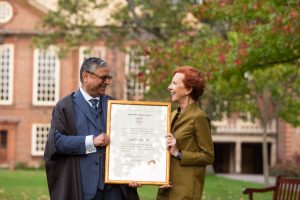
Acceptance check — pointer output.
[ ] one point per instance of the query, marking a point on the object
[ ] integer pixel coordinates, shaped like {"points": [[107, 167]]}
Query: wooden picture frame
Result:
{"points": [[137, 150]]}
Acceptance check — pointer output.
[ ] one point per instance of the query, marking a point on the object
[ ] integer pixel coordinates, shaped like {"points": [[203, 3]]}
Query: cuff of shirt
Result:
{"points": [[179, 155], [89, 144]]}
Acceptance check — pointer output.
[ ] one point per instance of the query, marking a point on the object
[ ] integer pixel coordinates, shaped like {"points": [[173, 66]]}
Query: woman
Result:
{"points": [[190, 143]]}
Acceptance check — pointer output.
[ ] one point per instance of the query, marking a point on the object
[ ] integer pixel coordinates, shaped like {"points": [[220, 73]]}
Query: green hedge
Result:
{"points": [[289, 170]]}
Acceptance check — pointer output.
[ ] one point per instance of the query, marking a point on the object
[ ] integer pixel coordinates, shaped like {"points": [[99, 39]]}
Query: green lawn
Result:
{"points": [[23, 185], [31, 185], [216, 188]]}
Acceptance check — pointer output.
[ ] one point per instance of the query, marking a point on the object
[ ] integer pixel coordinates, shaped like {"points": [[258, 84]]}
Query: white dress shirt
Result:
{"points": [[89, 140]]}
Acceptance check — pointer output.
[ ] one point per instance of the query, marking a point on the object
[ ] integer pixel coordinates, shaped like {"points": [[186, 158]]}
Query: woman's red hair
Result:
{"points": [[192, 79]]}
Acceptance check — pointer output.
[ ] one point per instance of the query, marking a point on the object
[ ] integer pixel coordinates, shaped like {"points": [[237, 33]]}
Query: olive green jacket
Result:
{"points": [[193, 137]]}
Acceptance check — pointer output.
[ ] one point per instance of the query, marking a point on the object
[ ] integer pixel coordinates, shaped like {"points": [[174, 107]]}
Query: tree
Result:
{"points": [[259, 66], [265, 93], [70, 25], [244, 48]]}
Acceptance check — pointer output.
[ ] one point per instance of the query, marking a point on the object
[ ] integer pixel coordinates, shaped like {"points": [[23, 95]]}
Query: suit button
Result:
{"points": [[96, 163]]}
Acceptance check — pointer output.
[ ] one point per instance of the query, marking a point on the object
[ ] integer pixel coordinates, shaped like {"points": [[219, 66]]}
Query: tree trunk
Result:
{"points": [[265, 155], [265, 118]]}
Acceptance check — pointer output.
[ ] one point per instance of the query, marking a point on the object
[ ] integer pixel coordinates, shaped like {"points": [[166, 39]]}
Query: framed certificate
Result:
{"points": [[137, 149]]}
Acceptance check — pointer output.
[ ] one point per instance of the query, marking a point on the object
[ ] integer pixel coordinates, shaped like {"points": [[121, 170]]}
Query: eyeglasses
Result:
{"points": [[104, 78]]}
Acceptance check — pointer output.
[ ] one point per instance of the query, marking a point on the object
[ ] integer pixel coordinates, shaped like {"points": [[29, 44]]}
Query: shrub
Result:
{"points": [[30, 166], [20, 165], [42, 165], [288, 169]]}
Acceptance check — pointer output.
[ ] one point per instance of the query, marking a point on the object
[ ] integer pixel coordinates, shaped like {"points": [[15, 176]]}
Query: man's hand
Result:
{"points": [[101, 140], [135, 184]]}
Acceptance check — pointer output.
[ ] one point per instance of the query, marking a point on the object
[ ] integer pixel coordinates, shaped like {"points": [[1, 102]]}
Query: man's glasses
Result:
{"points": [[104, 78]]}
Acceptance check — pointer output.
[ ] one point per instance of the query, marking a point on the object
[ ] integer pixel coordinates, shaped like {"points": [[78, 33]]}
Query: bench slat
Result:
{"points": [[286, 188], [298, 190]]}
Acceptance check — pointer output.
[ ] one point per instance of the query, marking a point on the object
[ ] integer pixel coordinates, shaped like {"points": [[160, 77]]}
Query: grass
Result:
{"points": [[32, 185], [220, 188], [216, 188], [23, 184]]}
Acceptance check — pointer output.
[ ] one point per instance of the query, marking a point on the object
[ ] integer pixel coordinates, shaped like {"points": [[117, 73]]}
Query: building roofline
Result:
{"points": [[19, 32], [39, 6]]}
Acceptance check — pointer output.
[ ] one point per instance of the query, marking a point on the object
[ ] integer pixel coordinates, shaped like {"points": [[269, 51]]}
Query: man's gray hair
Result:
{"points": [[91, 64]]}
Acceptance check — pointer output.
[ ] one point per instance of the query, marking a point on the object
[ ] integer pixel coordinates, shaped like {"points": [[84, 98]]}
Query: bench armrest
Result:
{"points": [[250, 191]]}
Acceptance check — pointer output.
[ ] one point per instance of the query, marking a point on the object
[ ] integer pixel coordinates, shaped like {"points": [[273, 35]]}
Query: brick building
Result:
{"points": [[33, 80]]}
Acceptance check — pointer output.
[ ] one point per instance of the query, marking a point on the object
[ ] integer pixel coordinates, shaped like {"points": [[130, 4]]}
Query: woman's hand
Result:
{"points": [[165, 186], [171, 144], [170, 140]]}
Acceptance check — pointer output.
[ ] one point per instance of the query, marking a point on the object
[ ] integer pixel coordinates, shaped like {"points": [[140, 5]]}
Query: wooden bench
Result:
{"points": [[285, 189]]}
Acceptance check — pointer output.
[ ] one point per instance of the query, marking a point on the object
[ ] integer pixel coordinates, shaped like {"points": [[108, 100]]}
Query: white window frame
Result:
{"points": [[127, 73], [82, 55], [11, 75], [35, 78], [34, 140], [10, 12]]}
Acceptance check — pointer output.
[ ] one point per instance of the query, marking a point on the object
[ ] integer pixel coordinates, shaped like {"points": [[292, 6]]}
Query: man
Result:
{"points": [[75, 148]]}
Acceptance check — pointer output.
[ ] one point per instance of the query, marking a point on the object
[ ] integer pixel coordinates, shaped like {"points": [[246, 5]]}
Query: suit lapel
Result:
{"points": [[85, 108], [104, 110], [189, 109], [175, 118]]}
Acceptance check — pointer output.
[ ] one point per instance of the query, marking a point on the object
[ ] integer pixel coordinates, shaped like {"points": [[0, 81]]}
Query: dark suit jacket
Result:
{"points": [[63, 171], [193, 138]]}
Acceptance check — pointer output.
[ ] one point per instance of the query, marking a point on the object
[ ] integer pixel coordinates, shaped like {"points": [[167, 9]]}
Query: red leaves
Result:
{"points": [[191, 33], [256, 6], [294, 14], [147, 51], [222, 58], [243, 52], [237, 62], [141, 77], [243, 45], [287, 29], [243, 49], [225, 2]]}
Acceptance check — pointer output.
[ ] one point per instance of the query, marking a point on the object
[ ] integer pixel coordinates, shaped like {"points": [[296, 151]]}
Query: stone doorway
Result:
{"points": [[252, 162], [8, 127], [224, 157]]}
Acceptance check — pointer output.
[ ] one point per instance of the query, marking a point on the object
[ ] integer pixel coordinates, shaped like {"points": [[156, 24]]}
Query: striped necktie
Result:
{"points": [[94, 103]]}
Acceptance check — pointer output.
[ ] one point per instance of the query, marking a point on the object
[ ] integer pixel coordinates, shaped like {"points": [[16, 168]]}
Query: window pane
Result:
{"points": [[39, 138], [6, 65], [46, 77], [135, 86]]}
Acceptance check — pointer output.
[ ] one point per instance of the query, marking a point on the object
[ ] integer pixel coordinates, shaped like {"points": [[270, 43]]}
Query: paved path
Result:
{"points": [[248, 177]]}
